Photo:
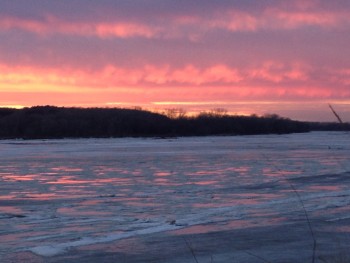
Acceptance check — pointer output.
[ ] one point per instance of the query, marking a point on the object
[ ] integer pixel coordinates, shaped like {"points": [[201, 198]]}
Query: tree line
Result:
{"points": [[45, 122]]}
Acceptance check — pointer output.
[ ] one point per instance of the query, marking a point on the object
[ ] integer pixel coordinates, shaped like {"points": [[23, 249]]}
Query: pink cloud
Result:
{"points": [[7, 23], [166, 75], [52, 25], [290, 20], [235, 21], [277, 72], [270, 79], [124, 30], [272, 19], [189, 26], [342, 76]]}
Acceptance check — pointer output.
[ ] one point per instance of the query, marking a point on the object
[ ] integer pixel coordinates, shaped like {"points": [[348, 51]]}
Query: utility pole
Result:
{"points": [[335, 113]]}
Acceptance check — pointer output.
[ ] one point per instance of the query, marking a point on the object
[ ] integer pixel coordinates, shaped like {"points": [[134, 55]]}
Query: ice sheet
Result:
{"points": [[60, 194]]}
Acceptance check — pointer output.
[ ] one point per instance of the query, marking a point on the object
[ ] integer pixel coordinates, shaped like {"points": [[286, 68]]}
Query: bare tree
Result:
{"points": [[175, 113]]}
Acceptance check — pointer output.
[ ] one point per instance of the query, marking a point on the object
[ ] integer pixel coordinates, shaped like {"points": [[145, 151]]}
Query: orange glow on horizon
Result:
{"points": [[25, 79], [150, 87]]}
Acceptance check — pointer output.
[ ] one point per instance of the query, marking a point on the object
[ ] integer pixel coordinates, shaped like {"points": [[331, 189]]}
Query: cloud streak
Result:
{"points": [[271, 79], [189, 25], [53, 25]]}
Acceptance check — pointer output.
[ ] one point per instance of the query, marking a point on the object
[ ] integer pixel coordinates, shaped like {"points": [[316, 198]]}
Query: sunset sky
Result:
{"points": [[288, 57]]}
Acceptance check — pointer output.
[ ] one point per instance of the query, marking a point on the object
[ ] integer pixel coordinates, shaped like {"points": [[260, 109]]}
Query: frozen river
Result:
{"points": [[70, 200]]}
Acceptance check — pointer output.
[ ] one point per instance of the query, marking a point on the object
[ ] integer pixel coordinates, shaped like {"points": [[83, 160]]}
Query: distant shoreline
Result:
{"points": [[50, 122]]}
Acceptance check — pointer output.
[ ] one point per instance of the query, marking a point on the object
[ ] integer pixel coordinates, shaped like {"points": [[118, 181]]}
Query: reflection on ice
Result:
{"points": [[61, 194], [328, 188], [66, 169], [162, 173]]}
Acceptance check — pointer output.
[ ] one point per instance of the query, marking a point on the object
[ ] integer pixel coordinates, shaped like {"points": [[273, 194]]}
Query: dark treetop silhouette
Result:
{"points": [[44, 122]]}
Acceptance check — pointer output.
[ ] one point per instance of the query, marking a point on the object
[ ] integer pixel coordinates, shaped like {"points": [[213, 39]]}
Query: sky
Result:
{"points": [[285, 57]]}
